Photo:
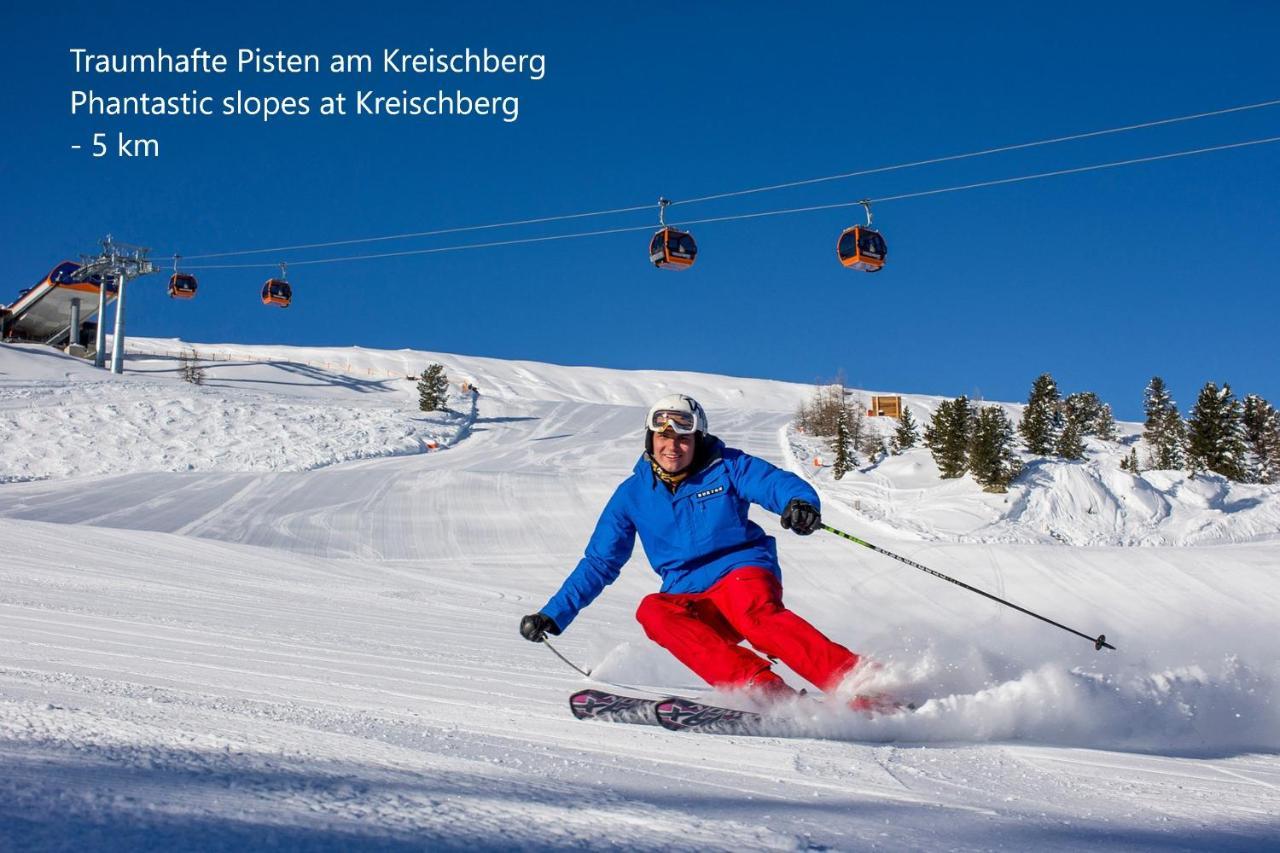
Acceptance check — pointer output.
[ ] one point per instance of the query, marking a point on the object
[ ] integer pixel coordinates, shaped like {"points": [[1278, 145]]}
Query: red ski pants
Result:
{"points": [[704, 630]]}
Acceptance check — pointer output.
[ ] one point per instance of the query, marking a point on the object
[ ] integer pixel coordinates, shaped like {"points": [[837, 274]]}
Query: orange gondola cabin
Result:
{"points": [[277, 292], [672, 249], [862, 248], [182, 286]]}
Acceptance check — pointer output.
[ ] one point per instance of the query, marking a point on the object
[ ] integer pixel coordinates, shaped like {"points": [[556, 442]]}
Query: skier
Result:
{"points": [[688, 498]]}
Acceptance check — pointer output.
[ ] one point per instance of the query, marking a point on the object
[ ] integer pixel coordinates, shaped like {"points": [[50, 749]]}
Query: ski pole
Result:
{"points": [[1099, 642], [585, 672]]}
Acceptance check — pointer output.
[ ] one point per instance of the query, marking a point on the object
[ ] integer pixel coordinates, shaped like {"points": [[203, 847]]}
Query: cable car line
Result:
{"points": [[458, 248], [996, 182], [768, 188], [983, 153], [767, 213], [435, 233]]}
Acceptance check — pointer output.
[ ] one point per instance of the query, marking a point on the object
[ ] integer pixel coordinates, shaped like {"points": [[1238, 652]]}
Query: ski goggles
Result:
{"points": [[683, 423]]}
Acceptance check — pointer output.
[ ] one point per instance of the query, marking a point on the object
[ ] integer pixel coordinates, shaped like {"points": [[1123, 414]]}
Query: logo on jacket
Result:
{"points": [[709, 492]]}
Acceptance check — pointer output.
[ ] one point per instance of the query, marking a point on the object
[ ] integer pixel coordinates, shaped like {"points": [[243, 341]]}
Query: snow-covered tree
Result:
{"points": [[433, 388], [1093, 415], [1130, 462], [991, 458], [948, 436], [1164, 430], [1215, 433], [1105, 425], [844, 441], [1261, 424], [1070, 443], [1042, 418], [907, 434]]}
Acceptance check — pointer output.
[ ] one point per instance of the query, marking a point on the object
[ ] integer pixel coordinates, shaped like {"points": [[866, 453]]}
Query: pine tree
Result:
{"points": [[1042, 419], [1093, 415], [1105, 426], [1070, 443], [991, 458], [1164, 430], [1261, 424], [433, 388], [1215, 433], [948, 436], [843, 442], [906, 435], [1130, 462]]}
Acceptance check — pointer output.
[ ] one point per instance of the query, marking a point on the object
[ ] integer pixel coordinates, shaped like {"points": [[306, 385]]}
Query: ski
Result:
{"points": [[601, 705], [680, 715]]}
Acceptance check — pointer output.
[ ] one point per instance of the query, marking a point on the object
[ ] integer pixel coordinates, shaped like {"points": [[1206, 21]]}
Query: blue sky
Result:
{"points": [[1102, 279]]}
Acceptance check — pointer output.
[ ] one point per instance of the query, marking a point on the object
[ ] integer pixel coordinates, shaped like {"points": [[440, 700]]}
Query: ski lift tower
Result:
{"points": [[122, 262]]}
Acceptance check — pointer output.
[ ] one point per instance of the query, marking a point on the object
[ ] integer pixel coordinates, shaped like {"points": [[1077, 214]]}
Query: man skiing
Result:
{"points": [[688, 498]]}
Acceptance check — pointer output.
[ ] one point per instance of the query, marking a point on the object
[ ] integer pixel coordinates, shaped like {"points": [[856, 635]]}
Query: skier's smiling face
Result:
{"points": [[674, 452]]}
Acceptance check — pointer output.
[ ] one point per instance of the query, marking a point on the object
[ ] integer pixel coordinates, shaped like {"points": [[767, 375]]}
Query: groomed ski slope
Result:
{"points": [[204, 653]]}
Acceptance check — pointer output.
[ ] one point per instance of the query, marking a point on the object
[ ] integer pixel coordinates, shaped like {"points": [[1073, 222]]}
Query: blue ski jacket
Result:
{"points": [[692, 537]]}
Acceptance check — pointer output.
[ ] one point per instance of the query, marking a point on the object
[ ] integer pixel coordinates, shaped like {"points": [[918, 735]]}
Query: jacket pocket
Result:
{"points": [[715, 521]]}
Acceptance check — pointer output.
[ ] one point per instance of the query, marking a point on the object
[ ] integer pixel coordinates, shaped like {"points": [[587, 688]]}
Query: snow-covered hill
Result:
{"points": [[201, 651], [295, 409], [1090, 502]]}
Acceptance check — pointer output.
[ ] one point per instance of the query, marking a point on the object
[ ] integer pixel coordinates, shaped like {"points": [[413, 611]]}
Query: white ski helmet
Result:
{"points": [[681, 413]]}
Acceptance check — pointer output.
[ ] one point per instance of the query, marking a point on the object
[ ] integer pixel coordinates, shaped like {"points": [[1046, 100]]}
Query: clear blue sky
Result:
{"points": [[1102, 279]]}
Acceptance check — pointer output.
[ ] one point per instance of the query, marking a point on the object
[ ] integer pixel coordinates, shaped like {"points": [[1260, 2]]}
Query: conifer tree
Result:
{"points": [[843, 442], [1105, 426], [1130, 462], [1215, 433], [433, 388], [948, 436], [991, 458], [906, 435], [1042, 418], [1093, 415], [1164, 430], [1070, 443], [1261, 424]]}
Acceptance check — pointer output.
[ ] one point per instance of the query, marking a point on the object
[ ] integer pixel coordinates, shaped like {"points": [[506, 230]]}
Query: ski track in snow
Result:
{"points": [[326, 659]]}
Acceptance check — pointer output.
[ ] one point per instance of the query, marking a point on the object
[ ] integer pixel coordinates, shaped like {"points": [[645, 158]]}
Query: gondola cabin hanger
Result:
{"points": [[277, 290], [861, 247], [181, 285], [671, 248]]}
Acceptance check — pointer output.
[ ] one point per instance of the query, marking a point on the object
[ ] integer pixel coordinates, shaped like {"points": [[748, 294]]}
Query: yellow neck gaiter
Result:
{"points": [[671, 480]]}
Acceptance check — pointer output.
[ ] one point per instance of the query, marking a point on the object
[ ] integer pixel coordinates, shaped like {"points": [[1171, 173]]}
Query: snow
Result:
{"points": [[257, 614], [1090, 502]]}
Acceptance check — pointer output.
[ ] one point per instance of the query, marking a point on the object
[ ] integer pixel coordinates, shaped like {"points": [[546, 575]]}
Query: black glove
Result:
{"points": [[536, 626], [801, 516]]}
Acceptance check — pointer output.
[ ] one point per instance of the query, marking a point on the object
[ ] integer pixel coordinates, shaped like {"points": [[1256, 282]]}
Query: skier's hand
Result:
{"points": [[801, 517], [536, 626]]}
